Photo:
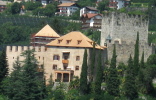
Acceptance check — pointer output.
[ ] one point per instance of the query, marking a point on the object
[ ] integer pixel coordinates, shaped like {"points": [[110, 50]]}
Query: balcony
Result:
{"points": [[65, 61], [63, 71]]}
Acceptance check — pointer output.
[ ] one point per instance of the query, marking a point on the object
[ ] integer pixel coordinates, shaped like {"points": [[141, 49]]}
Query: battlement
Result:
{"points": [[124, 27], [122, 17], [23, 48]]}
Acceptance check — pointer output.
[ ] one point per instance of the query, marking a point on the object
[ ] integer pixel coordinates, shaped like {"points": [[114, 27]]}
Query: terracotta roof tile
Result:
{"points": [[74, 39], [90, 15], [47, 31], [66, 4]]}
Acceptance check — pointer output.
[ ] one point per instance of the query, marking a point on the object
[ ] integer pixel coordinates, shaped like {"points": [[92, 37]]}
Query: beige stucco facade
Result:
{"points": [[66, 67]]}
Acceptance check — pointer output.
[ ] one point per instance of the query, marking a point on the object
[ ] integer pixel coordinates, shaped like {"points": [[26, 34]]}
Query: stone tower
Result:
{"points": [[121, 29]]}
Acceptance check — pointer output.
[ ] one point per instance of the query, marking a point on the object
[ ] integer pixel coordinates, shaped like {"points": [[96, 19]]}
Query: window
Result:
{"points": [[54, 66], [78, 41], [68, 41], [77, 68], [77, 58], [59, 41], [56, 57]]}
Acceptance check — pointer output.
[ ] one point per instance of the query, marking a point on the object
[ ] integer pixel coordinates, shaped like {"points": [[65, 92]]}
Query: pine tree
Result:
{"points": [[12, 85], [98, 79], [113, 81], [129, 84], [31, 81], [136, 56], [83, 76], [3, 66]]}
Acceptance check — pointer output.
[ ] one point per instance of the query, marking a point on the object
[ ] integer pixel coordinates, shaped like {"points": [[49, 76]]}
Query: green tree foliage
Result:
{"points": [[49, 10], [113, 81], [99, 75], [75, 83], [32, 5], [13, 85], [15, 8], [121, 69], [149, 74], [24, 82], [3, 66], [92, 63], [103, 5], [76, 15], [130, 89], [59, 93], [49, 88], [136, 55], [140, 78], [83, 3], [31, 80], [83, 76]]}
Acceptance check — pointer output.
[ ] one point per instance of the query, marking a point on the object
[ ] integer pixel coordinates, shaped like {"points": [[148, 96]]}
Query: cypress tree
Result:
{"points": [[142, 64], [113, 81], [136, 55], [140, 79], [3, 67], [98, 79], [129, 84], [92, 63], [83, 76]]}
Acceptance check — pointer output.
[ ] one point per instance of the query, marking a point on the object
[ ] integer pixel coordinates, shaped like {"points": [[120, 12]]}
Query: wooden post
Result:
{"points": [[62, 77]]}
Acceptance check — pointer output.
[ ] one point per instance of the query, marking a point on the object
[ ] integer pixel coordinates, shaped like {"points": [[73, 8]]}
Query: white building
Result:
{"points": [[116, 4], [91, 21], [67, 9], [67, 1], [88, 9]]}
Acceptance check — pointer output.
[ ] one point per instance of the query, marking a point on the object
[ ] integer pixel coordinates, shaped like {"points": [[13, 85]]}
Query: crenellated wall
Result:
{"points": [[121, 29], [15, 51]]}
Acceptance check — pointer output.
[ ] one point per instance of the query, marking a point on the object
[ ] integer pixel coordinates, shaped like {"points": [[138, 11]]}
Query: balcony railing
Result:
{"points": [[65, 61], [63, 71]]}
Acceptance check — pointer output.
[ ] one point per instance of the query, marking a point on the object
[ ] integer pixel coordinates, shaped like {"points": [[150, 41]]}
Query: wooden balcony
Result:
{"points": [[65, 61]]}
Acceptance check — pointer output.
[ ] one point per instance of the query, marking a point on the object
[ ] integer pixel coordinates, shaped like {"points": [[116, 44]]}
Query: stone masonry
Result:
{"points": [[121, 29]]}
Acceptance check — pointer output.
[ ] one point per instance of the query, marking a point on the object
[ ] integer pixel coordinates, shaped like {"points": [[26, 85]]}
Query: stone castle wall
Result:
{"points": [[122, 29]]}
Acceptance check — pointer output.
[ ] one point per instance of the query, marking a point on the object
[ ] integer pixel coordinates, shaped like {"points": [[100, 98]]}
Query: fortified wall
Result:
{"points": [[121, 29], [15, 51]]}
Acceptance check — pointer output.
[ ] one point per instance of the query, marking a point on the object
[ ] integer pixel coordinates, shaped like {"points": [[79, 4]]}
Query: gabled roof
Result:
{"points": [[90, 15], [47, 31], [74, 39], [66, 4], [91, 8]]}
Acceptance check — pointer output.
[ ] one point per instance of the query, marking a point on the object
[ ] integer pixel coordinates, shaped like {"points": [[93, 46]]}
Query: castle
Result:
{"points": [[62, 57], [121, 29]]}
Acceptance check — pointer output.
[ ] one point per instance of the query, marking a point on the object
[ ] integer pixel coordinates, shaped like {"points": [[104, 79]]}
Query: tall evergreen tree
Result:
{"points": [[31, 81], [98, 79], [83, 76], [136, 55], [142, 64], [92, 63], [129, 84], [3, 66], [12, 85], [140, 79], [113, 81]]}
